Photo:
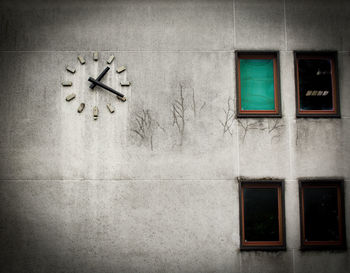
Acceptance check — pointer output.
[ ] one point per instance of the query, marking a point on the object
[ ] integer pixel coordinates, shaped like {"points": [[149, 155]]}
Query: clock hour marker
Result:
{"points": [[125, 83], [67, 83], [70, 69], [110, 108], [110, 59], [81, 107], [121, 98], [70, 97], [95, 56], [95, 112], [81, 59], [120, 69]]}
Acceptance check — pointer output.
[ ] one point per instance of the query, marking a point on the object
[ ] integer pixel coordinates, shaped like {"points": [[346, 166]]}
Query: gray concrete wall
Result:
{"points": [[79, 195]]}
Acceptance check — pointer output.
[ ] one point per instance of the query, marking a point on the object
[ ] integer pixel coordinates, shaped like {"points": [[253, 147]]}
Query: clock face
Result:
{"points": [[95, 85]]}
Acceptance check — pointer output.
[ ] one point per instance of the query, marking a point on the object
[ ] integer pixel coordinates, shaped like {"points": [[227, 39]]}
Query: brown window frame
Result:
{"points": [[263, 245], [323, 183], [277, 113], [318, 55]]}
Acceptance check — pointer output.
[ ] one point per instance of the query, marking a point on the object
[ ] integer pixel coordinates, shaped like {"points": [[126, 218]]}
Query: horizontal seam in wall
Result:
{"points": [[121, 51], [158, 51], [87, 179], [155, 180]]}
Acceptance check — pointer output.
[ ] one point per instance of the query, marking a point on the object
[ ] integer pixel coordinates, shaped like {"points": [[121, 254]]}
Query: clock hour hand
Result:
{"points": [[104, 72], [106, 87]]}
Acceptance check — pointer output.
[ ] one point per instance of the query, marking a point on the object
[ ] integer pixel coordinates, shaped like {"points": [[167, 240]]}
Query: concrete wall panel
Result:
{"points": [[346, 148], [315, 24], [287, 84], [264, 148], [111, 147], [344, 83], [316, 261], [30, 135], [277, 262], [258, 25], [291, 197], [110, 226], [318, 147], [117, 25]]}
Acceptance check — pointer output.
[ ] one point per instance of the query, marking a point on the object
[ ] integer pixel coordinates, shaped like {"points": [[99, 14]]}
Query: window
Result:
{"points": [[262, 215], [316, 85], [258, 93], [322, 214]]}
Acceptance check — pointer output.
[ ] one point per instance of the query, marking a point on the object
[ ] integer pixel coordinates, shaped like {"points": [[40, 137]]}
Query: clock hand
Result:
{"points": [[106, 87], [92, 86]]}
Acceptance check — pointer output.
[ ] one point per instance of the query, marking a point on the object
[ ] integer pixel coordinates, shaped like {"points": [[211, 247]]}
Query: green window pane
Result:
{"points": [[257, 84]]}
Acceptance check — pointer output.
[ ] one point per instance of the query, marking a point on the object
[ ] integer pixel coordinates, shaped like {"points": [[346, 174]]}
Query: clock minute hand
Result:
{"points": [[106, 87], [104, 72]]}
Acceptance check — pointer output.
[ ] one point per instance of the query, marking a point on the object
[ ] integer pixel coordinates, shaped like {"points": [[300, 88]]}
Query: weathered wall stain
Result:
{"points": [[178, 112], [144, 126], [229, 117], [272, 127], [186, 100]]}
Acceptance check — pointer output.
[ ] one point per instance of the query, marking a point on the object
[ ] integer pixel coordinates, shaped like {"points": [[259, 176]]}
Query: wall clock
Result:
{"points": [[94, 85]]}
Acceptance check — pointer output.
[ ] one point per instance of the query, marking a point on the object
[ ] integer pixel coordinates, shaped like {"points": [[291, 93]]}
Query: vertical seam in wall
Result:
{"points": [[234, 80], [237, 127], [293, 258], [95, 148], [234, 22], [240, 262], [291, 155], [285, 26], [238, 153]]}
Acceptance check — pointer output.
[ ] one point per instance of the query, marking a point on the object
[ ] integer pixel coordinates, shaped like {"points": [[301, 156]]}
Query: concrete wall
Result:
{"points": [[78, 195]]}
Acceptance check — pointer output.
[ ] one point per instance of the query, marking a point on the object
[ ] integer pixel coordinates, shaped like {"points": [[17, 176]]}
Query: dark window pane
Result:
{"points": [[315, 84], [321, 214], [261, 214]]}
